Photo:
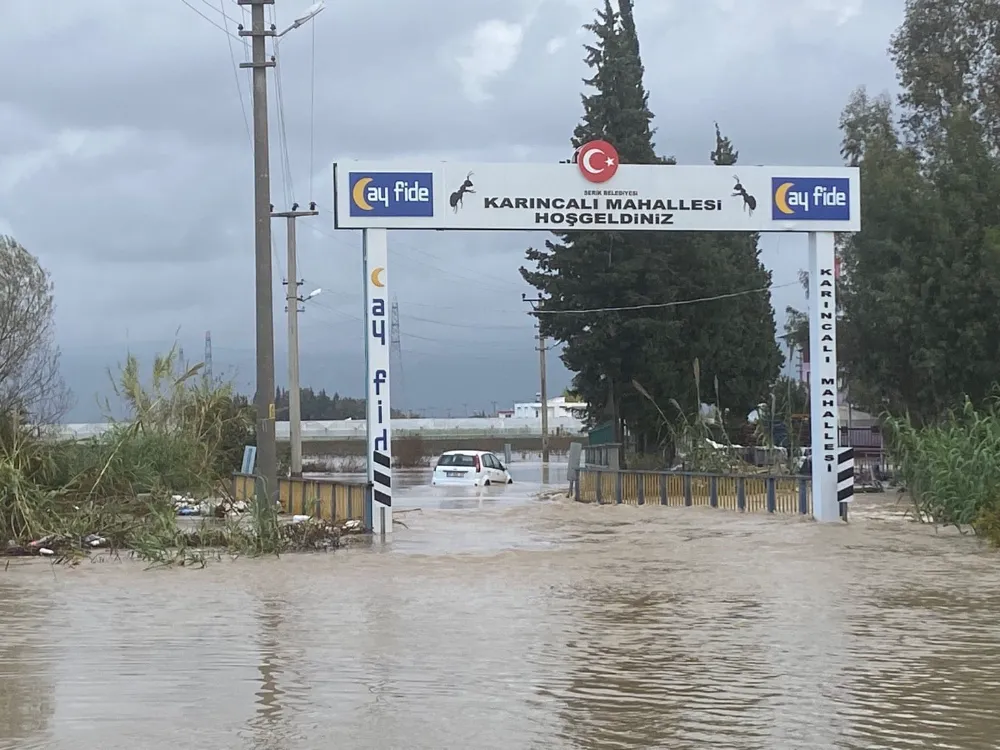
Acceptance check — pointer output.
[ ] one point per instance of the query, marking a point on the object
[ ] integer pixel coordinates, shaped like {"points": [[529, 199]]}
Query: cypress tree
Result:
{"points": [[603, 269], [612, 350], [741, 350]]}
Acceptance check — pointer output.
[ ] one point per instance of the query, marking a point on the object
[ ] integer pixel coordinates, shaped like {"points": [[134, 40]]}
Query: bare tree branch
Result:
{"points": [[30, 383]]}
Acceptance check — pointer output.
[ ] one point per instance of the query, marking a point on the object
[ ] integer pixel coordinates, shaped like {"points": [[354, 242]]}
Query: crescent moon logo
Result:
{"points": [[586, 160], [598, 161], [377, 277], [781, 198], [358, 194]]}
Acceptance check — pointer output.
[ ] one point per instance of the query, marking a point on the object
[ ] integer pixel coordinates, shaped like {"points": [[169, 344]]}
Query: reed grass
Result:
{"points": [[686, 436], [183, 434], [951, 468]]}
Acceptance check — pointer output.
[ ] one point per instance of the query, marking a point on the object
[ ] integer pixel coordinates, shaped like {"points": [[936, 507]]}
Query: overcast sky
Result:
{"points": [[126, 164]]}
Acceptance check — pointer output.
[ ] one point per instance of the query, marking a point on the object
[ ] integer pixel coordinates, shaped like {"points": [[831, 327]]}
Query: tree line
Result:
{"points": [[919, 292], [321, 406]]}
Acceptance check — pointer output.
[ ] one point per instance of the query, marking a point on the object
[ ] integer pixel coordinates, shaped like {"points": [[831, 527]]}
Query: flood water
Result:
{"points": [[499, 621]]}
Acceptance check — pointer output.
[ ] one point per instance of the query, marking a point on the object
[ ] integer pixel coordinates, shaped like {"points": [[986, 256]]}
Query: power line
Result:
{"points": [[287, 180], [658, 305], [477, 326], [442, 308], [312, 115], [223, 29], [354, 318], [479, 281], [236, 68], [287, 183], [247, 54], [222, 9]]}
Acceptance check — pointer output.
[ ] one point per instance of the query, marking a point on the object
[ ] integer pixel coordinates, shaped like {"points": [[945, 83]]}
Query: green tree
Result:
{"points": [[612, 350], [739, 346], [947, 56], [922, 291]]}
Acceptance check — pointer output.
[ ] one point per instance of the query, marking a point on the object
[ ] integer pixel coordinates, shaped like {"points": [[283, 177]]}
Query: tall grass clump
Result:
{"points": [[410, 452], [952, 467], [182, 434], [689, 437]]}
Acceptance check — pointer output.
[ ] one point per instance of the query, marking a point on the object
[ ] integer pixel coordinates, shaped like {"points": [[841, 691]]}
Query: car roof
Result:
{"points": [[464, 453]]}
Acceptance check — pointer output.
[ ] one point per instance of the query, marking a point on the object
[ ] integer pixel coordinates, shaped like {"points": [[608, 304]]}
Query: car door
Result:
{"points": [[501, 474], [488, 467]]}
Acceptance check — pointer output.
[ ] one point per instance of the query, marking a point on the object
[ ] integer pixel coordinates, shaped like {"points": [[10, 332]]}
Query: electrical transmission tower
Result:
{"points": [[396, 354], [208, 356]]}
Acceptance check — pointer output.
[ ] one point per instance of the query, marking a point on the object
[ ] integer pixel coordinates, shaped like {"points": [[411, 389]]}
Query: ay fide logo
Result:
{"points": [[597, 160]]}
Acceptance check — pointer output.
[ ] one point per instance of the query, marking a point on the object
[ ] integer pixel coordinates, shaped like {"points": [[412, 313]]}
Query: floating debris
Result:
{"points": [[95, 541], [185, 505], [317, 534]]}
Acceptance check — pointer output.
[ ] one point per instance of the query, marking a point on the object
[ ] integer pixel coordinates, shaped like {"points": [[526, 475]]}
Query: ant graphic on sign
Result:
{"points": [[463, 190], [749, 202]]}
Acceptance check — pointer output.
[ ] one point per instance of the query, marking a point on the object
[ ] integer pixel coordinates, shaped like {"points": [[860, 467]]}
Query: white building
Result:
{"points": [[559, 408]]}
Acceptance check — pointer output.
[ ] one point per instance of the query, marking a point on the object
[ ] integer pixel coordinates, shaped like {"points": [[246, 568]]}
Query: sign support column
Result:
{"points": [[379, 422], [824, 408]]}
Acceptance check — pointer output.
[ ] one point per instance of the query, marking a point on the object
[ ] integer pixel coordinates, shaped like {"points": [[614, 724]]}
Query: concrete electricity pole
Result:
{"points": [[267, 452], [544, 396], [292, 300]]}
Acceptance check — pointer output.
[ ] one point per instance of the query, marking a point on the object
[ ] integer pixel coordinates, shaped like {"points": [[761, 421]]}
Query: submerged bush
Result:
{"points": [[183, 434], [952, 467]]}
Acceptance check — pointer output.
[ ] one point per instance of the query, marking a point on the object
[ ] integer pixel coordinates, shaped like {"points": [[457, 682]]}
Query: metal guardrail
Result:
{"points": [[327, 499], [749, 493]]}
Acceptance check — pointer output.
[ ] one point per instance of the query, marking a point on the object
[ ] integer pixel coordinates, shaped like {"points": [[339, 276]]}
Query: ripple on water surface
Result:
{"points": [[498, 623]]}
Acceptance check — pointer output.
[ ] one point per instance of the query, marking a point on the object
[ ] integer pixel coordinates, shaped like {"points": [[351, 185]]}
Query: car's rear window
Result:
{"points": [[457, 459]]}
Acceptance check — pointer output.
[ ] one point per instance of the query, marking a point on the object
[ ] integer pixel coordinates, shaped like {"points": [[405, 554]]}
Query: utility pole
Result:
{"points": [[209, 375], [396, 349], [541, 374], [267, 451], [545, 397], [292, 300]]}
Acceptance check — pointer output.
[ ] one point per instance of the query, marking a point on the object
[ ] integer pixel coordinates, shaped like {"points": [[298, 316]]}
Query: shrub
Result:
{"points": [[952, 468], [409, 452]]}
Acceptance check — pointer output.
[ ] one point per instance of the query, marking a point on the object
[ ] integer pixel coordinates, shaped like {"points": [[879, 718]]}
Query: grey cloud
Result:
{"points": [[125, 163]]}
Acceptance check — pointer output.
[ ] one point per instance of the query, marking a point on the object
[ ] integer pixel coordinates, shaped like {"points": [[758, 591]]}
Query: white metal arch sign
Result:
{"points": [[598, 193]]}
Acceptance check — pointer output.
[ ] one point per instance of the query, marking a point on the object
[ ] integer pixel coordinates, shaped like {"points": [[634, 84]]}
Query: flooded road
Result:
{"points": [[498, 621]]}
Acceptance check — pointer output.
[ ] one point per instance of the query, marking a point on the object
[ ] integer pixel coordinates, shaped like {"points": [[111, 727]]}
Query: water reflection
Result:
{"points": [[26, 683], [269, 726]]}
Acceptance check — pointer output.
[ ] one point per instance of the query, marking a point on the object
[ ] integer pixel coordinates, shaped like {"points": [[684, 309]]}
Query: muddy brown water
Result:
{"points": [[499, 621]]}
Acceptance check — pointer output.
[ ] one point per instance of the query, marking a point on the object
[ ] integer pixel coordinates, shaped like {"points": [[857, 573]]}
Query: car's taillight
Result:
{"points": [[479, 466]]}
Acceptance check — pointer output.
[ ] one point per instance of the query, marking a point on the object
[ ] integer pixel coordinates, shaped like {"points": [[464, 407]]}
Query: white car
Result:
{"points": [[476, 468]]}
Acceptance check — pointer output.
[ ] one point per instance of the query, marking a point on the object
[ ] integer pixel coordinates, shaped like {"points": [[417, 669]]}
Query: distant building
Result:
{"points": [[558, 408], [505, 413]]}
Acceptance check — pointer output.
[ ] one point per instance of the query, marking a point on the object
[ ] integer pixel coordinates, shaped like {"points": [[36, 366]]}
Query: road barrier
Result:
{"points": [[328, 499], [751, 493]]}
